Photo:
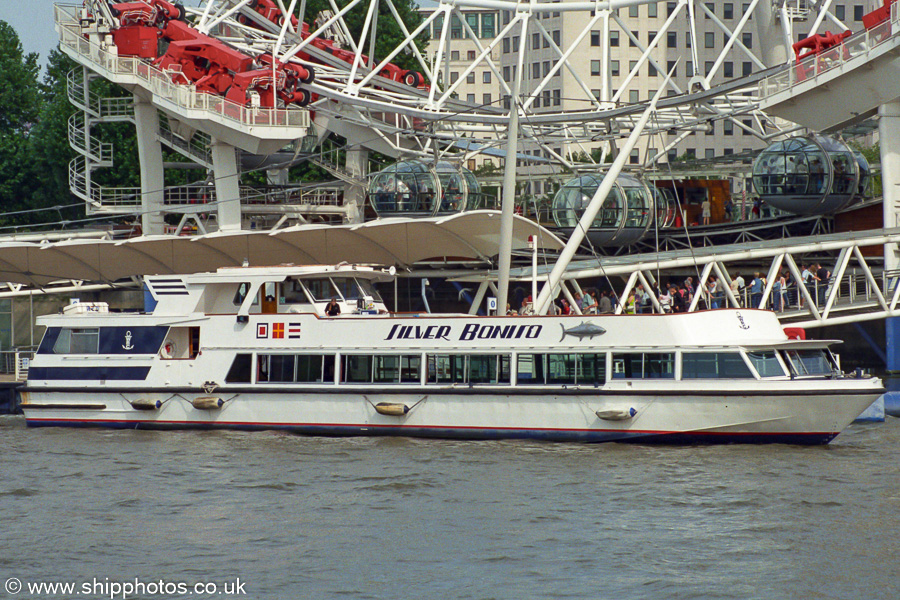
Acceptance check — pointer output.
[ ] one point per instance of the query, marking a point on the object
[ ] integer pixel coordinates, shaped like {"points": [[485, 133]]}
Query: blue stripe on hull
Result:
{"points": [[549, 435]]}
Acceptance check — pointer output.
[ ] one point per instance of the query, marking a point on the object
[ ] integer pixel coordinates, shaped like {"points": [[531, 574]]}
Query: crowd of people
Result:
{"points": [[678, 296]]}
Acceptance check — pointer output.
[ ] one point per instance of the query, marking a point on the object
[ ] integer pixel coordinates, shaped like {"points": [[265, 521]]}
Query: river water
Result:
{"points": [[274, 515]]}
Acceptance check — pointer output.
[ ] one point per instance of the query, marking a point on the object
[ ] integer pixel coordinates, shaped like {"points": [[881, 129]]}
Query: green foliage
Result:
{"points": [[873, 155]]}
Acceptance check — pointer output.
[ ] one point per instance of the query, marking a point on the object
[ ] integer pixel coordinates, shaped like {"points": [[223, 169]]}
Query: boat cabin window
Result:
{"points": [[292, 292], [240, 369], [565, 369], [295, 368], [388, 368], [644, 365], [348, 288], [241, 294], [322, 290], [77, 341], [766, 363], [810, 362], [714, 365], [469, 368]]}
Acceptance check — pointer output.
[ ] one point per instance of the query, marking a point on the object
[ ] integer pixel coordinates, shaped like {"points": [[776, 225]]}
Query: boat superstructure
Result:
{"points": [[253, 348]]}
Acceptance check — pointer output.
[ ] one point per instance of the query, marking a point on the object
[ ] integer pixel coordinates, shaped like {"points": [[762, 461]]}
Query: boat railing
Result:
{"points": [[14, 363]]}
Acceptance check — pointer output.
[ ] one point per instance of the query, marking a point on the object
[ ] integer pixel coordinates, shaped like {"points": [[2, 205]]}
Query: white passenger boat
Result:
{"points": [[252, 348]]}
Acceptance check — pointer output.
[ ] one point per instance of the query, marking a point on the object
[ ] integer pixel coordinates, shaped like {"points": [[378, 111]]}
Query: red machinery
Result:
{"points": [[824, 45], [269, 10], [878, 16], [211, 65]]}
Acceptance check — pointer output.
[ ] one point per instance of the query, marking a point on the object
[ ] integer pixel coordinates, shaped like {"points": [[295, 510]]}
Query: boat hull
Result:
{"points": [[812, 416]]}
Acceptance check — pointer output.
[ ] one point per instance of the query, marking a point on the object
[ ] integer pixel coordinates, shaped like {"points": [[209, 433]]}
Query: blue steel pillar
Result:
{"points": [[889, 136]]}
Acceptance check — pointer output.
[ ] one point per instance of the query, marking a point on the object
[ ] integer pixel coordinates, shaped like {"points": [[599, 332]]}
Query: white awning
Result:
{"points": [[469, 236]]}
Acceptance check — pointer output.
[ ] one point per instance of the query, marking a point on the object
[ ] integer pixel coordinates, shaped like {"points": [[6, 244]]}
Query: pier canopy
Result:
{"points": [[415, 188], [623, 219], [810, 175]]}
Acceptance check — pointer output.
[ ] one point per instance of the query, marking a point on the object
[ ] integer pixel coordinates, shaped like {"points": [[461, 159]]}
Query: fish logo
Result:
{"points": [[585, 330]]}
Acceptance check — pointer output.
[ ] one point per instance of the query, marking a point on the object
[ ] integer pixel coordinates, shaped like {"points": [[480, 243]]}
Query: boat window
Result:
{"points": [[644, 365], [240, 369], [295, 368], [714, 365], [292, 292], [810, 362], [537, 369], [77, 341], [766, 363], [369, 289], [469, 368], [348, 288], [397, 368], [357, 368], [241, 294], [321, 289]]}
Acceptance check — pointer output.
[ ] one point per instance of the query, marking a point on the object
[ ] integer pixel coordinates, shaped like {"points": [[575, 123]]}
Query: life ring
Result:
{"points": [[168, 349]]}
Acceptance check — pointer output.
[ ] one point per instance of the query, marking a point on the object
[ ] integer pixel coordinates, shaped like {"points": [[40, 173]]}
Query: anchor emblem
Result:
{"points": [[127, 345], [741, 319]]}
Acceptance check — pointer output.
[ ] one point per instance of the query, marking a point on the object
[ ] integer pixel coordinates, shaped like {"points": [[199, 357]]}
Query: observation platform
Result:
{"points": [[840, 86], [254, 129]]}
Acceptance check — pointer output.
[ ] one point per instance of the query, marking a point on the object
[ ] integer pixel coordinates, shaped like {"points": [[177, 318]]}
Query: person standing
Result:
{"points": [[604, 305], [756, 288], [823, 275], [737, 288], [706, 210]]}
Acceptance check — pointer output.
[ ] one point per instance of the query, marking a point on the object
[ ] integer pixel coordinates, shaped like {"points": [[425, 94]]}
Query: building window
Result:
{"points": [[634, 96], [470, 98], [728, 10], [711, 7], [728, 68], [515, 44], [487, 25], [840, 12], [633, 11], [486, 99], [546, 97], [652, 10], [547, 68], [651, 35], [455, 28], [454, 55], [470, 55], [506, 74], [709, 153], [486, 77], [613, 38], [746, 68], [613, 68], [672, 39], [709, 39], [651, 70], [632, 65], [595, 38], [728, 126], [670, 65], [729, 151], [454, 76], [557, 97], [535, 41], [712, 128], [470, 78], [857, 13], [472, 21], [708, 65], [749, 126], [687, 39], [670, 8], [438, 25], [745, 8], [596, 94], [505, 45], [631, 42], [557, 37], [535, 70], [595, 68]]}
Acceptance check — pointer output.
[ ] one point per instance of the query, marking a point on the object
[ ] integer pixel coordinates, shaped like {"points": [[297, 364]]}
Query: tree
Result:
{"points": [[19, 110]]}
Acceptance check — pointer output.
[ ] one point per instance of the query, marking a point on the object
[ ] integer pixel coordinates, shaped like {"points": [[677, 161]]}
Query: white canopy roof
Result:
{"points": [[471, 235]]}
